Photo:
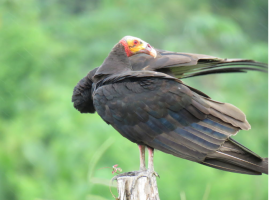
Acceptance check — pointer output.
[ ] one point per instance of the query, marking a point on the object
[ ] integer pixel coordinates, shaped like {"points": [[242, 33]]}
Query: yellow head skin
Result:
{"points": [[134, 45]]}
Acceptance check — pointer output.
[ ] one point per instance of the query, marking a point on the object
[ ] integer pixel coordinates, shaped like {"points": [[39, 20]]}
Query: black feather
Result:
{"points": [[82, 94]]}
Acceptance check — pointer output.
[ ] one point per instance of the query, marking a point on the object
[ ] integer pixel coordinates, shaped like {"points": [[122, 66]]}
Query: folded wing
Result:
{"points": [[185, 65], [167, 115]]}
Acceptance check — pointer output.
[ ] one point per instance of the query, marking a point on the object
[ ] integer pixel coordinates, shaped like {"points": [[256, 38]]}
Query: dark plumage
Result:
{"points": [[143, 99]]}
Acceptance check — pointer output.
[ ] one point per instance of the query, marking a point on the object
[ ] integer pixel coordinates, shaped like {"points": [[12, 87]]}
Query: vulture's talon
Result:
{"points": [[133, 173], [135, 180], [147, 173], [123, 174]]}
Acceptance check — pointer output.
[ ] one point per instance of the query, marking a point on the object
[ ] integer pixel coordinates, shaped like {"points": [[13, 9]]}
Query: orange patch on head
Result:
{"points": [[126, 47]]}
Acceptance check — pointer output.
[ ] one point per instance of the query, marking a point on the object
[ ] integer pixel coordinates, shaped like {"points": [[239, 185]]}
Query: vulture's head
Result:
{"points": [[134, 45]]}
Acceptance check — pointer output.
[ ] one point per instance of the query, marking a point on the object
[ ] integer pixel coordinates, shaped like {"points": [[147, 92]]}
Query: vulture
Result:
{"points": [[138, 90]]}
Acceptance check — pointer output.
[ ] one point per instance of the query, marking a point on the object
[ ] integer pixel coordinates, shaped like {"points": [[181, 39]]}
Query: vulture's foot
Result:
{"points": [[133, 173], [137, 174], [148, 173]]}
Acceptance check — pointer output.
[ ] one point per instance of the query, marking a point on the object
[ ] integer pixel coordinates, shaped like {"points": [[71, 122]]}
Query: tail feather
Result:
{"points": [[234, 157], [229, 167], [231, 143]]}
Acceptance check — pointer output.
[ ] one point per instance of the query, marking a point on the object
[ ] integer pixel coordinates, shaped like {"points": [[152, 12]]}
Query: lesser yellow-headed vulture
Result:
{"points": [[138, 91]]}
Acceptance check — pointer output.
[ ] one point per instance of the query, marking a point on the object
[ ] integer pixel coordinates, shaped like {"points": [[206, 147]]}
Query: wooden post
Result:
{"points": [[145, 188]]}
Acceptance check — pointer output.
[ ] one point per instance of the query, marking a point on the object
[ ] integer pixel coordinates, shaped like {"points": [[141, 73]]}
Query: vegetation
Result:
{"points": [[49, 151]]}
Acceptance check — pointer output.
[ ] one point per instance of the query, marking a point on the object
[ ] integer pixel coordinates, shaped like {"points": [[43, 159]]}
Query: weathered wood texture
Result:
{"points": [[144, 189]]}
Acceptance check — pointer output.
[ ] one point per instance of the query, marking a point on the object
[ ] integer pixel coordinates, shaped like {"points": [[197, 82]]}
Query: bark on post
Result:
{"points": [[144, 189]]}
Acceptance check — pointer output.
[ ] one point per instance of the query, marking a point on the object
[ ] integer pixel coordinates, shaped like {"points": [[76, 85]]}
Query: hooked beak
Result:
{"points": [[146, 48]]}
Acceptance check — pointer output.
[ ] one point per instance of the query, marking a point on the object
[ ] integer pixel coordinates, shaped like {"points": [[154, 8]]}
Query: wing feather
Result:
{"points": [[186, 65], [167, 115]]}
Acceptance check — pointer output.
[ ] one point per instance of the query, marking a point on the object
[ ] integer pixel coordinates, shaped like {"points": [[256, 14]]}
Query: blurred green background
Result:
{"points": [[49, 151]]}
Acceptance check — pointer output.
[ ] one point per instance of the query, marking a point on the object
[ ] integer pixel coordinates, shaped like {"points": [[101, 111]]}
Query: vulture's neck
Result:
{"points": [[116, 63]]}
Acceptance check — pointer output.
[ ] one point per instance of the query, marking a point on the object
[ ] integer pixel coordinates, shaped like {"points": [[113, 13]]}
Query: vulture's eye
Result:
{"points": [[135, 42]]}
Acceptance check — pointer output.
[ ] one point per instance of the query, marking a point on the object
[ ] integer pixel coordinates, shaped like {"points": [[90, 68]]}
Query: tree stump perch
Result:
{"points": [[145, 188]]}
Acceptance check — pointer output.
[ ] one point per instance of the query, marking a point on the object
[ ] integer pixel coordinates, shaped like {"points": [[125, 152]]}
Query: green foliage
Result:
{"points": [[48, 150]]}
